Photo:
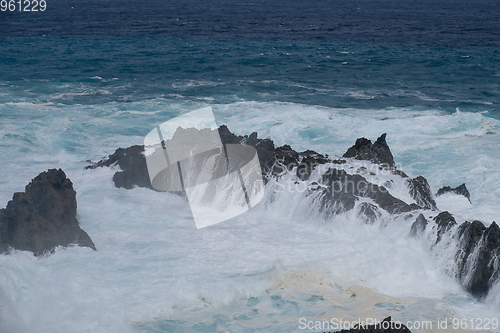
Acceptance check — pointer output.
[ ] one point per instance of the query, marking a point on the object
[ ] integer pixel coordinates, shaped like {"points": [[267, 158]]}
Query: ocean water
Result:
{"points": [[82, 79]]}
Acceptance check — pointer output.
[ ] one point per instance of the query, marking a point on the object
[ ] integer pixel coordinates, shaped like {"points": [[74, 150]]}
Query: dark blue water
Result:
{"points": [[313, 72], [360, 53], [430, 22]]}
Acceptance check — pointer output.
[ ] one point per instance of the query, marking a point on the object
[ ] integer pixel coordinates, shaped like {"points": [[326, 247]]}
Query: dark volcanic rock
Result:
{"points": [[418, 227], [340, 191], [337, 191], [309, 160], [421, 192], [273, 161], [336, 196], [265, 147], [377, 152], [132, 162], [43, 217], [461, 190], [478, 256], [445, 221], [385, 326]]}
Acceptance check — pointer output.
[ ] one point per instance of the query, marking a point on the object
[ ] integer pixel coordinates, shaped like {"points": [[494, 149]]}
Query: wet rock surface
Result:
{"points": [[378, 152], [132, 162], [444, 221], [369, 212], [478, 256], [341, 191], [43, 216], [460, 190], [273, 160], [337, 191], [420, 191]]}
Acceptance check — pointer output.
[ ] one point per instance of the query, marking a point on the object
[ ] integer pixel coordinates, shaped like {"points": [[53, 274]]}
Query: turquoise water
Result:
{"points": [[97, 70]]}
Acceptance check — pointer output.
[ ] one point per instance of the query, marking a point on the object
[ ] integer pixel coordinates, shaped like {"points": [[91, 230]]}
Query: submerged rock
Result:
{"points": [[418, 227], [341, 190], [43, 217], [460, 190]]}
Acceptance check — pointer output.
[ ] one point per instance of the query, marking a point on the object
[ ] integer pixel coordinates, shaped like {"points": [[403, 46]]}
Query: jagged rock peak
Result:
{"points": [[420, 191], [445, 221], [377, 152], [43, 217], [460, 190]]}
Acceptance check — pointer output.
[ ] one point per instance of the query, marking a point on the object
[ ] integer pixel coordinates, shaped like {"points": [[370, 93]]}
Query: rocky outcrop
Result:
{"points": [[265, 148], [273, 161], [133, 168], [337, 191], [385, 326], [460, 190], [478, 256], [377, 152], [341, 190], [43, 217], [420, 191], [444, 221]]}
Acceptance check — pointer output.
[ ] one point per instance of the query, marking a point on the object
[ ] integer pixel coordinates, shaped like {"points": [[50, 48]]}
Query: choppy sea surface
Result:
{"points": [[84, 78]]}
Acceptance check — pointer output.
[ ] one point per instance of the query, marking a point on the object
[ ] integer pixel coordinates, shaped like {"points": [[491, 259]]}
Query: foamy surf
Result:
{"points": [[263, 270]]}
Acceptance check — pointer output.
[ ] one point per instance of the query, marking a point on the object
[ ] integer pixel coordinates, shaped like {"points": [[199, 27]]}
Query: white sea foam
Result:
{"points": [[261, 271]]}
